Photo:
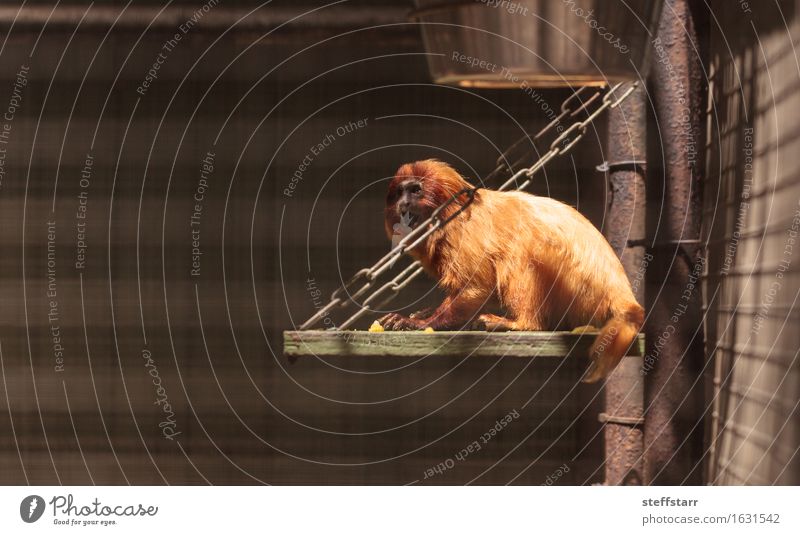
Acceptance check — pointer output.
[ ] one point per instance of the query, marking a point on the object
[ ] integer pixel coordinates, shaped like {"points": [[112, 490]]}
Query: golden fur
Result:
{"points": [[543, 261]]}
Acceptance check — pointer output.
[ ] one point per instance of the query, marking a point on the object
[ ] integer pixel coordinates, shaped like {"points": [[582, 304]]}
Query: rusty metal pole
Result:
{"points": [[625, 230], [674, 351]]}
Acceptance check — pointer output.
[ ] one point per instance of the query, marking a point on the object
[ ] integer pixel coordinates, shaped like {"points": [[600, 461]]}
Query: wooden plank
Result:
{"points": [[441, 343]]}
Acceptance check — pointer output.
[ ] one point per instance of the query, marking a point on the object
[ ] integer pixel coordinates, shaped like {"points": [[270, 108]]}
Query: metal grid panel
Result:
{"points": [[751, 217]]}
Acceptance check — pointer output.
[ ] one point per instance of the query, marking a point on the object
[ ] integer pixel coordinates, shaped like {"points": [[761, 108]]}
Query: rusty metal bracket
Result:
{"points": [[622, 165], [682, 246], [663, 243], [688, 241], [621, 420]]}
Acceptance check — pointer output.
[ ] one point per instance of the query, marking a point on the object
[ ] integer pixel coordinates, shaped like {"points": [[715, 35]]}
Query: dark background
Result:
{"points": [[244, 413], [259, 94]]}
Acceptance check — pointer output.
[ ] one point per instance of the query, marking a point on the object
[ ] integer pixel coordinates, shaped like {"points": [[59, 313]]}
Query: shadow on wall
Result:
{"points": [[751, 222]]}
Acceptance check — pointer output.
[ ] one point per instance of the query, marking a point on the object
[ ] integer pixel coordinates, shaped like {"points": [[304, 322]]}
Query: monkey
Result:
{"points": [[541, 260]]}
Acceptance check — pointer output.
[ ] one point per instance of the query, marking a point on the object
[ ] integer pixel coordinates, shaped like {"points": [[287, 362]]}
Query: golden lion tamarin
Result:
{"points": [[542, 261]]}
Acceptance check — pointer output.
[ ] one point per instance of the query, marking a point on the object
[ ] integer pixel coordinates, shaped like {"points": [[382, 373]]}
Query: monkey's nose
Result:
{"points": [[403, 206]]}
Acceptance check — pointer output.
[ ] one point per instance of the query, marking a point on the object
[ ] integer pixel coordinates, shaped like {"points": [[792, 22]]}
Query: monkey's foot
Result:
{"points": [[491, 322], [398, 322], [585, 329]]}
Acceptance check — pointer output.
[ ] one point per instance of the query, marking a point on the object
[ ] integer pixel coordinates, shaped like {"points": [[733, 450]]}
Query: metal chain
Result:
{"points": [[409, 242], [566, 110], [562, 144]]}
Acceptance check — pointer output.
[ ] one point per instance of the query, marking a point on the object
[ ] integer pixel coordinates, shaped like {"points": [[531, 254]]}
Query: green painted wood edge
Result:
{"points": [[526, 344]]}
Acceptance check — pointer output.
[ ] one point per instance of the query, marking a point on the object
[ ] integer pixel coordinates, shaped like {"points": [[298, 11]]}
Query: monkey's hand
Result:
{"points": [[398, 322], [454, 312], [422, 314]]}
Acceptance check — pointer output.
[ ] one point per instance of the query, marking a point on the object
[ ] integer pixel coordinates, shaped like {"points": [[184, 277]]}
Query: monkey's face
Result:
{"points": [[408, 197], [406, 202], [416, 191]]}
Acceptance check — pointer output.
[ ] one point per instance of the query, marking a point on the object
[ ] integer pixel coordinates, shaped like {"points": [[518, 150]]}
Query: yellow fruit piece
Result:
{"points": [[428, 330], [376, 327]]}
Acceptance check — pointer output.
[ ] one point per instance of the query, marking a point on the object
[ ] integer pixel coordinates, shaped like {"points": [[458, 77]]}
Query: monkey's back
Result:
{"points": [[540, 253]]}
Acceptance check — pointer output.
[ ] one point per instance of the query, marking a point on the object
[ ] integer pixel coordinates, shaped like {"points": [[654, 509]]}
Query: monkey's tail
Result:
{"points": [[613, 342]]}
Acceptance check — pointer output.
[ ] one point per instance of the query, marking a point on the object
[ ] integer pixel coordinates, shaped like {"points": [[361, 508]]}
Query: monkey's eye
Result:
{"points": [[415, 189]]}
